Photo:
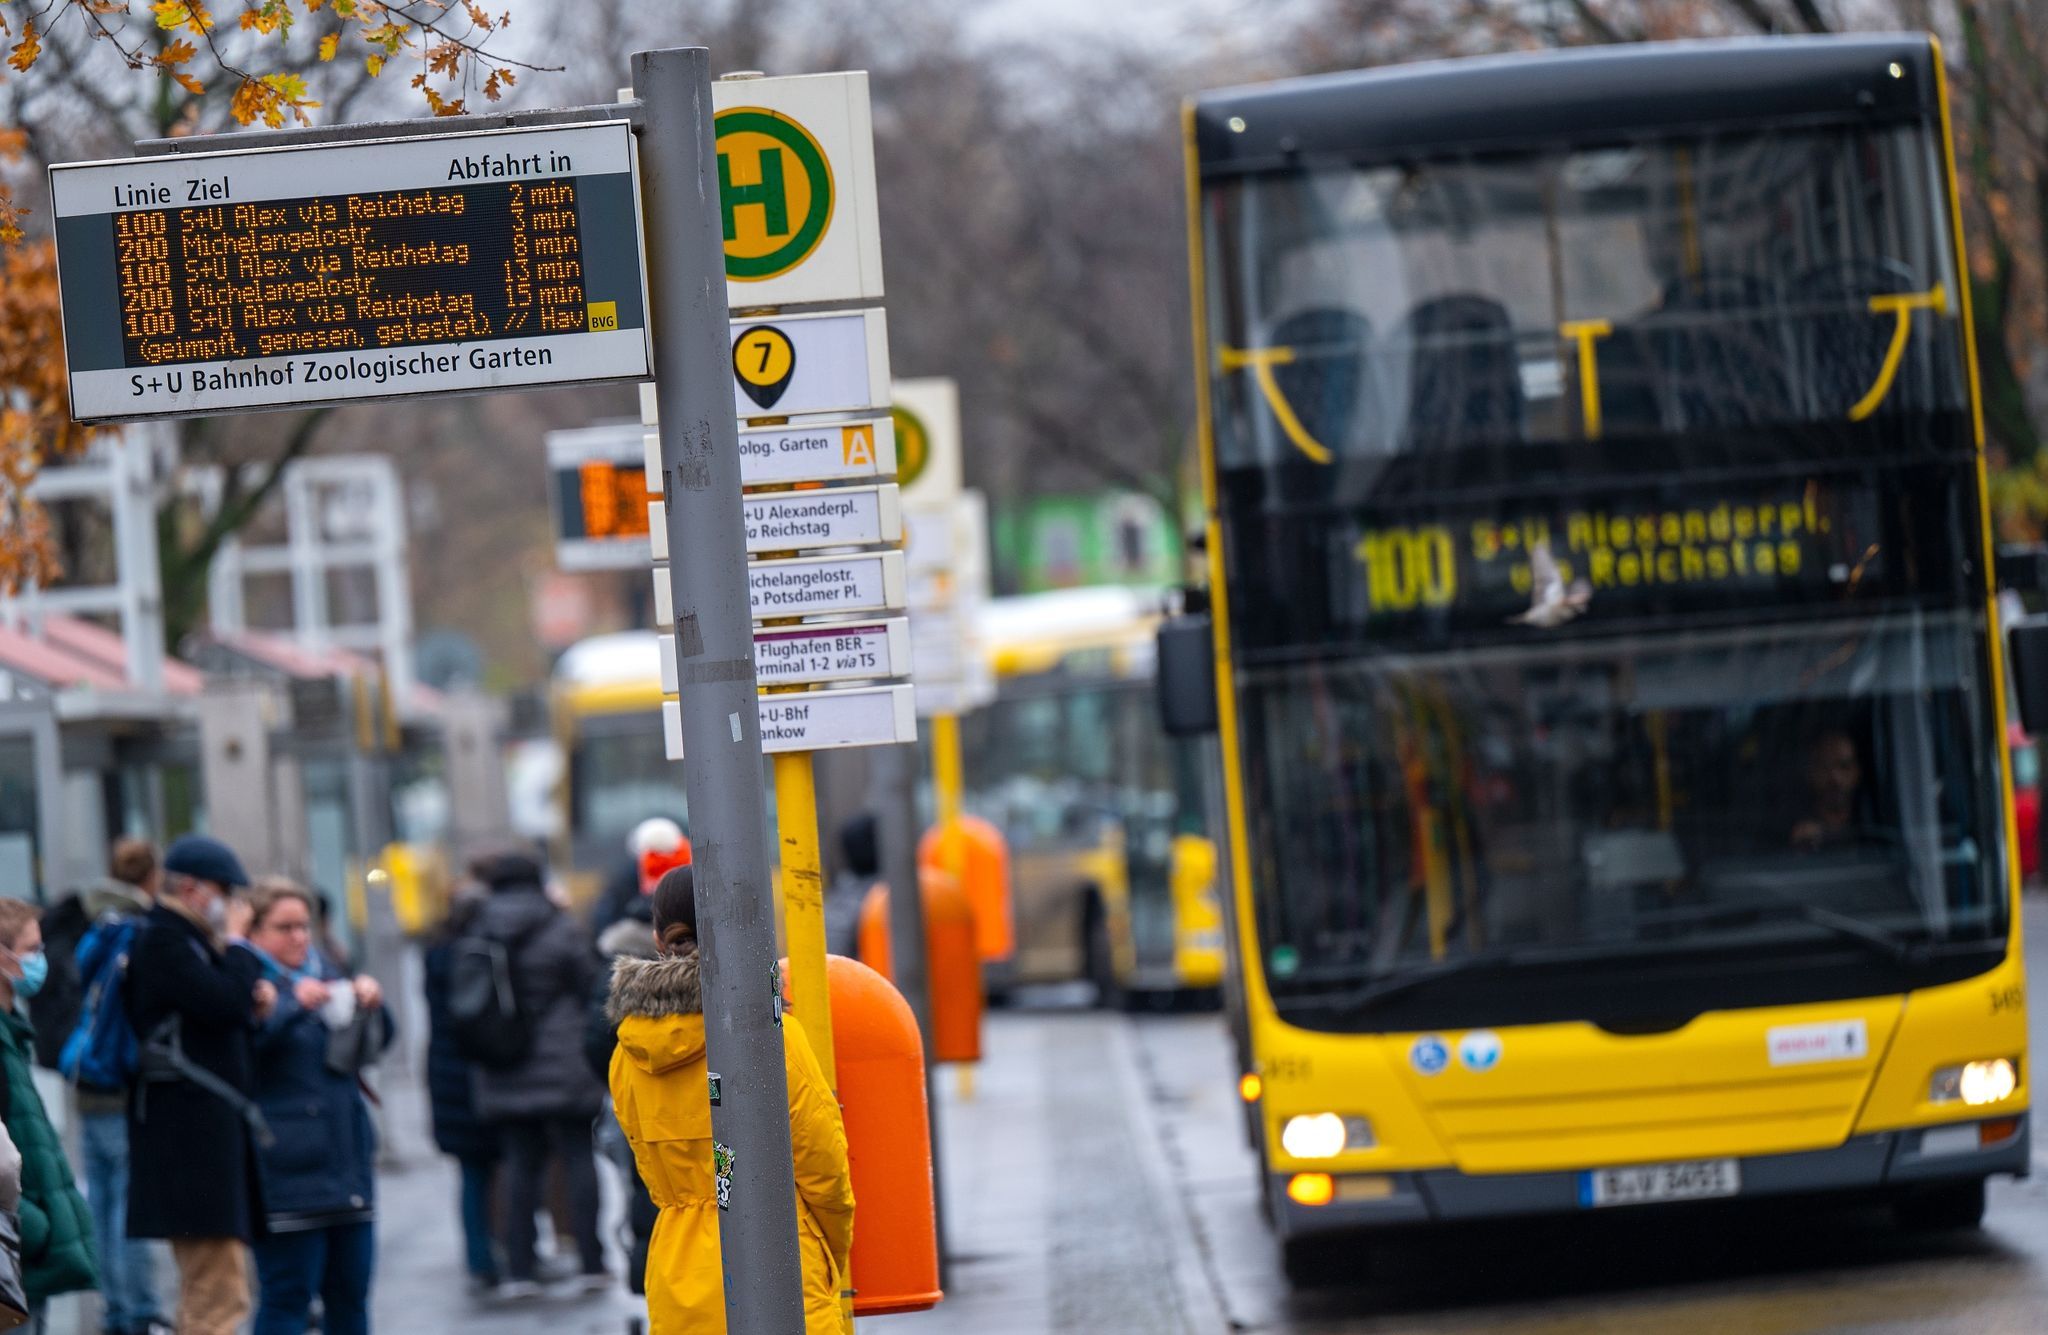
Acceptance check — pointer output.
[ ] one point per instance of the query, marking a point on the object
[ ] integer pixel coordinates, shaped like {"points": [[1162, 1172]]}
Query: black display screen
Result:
{"points": [[350, 273]]}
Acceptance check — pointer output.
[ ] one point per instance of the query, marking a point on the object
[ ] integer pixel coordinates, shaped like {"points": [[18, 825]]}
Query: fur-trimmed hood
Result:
{"points": [[663, 986], [659, 1011]]}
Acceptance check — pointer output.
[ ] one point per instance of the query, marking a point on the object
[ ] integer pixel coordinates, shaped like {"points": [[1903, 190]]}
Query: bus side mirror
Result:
{"points": [[2027, 642], [1186, 676]]}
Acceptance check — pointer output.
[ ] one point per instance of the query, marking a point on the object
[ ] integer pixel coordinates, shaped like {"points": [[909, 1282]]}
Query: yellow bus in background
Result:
{"points": [[1609, 684], [614, 771], [1113, 879]]}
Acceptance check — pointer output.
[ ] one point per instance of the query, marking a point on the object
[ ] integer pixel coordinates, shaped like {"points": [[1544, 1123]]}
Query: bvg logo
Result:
{"points": [[774, 191]]}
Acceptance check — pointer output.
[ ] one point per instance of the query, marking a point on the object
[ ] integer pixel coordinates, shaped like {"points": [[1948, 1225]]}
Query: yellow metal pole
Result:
{"points": [[946, 789], [946, 786], [803, 903]]}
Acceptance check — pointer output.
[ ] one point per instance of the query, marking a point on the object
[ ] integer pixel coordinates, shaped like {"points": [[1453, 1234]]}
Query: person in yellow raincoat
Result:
{"points": [[663, 1102]]}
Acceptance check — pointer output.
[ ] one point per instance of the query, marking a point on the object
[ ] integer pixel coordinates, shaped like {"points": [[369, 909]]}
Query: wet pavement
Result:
{"points": [[1097, 1180]]}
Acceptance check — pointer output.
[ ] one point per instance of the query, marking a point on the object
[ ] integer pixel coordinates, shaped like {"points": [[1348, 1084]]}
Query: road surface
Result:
{"points": [[1097, 1181]]}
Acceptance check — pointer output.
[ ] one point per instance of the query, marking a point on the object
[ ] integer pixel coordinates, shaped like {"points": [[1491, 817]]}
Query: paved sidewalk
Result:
{"points": [[420, 1278], [1060, 1216], [1061, 1212]]}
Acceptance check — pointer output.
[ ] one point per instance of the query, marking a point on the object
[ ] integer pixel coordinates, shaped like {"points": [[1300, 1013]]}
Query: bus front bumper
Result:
{"points": [[1884, 1160]]}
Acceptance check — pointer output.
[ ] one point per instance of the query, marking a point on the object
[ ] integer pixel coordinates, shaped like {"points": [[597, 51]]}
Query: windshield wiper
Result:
{"points": [[1871, 937]]}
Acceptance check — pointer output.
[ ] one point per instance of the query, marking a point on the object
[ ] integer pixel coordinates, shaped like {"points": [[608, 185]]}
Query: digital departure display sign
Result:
{"points": [[1531, 567], [275, 277]]}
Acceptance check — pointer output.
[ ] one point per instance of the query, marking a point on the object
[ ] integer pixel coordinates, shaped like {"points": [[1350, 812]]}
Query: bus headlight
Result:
{"points": [[1324, 1135], [1974, 1083]]}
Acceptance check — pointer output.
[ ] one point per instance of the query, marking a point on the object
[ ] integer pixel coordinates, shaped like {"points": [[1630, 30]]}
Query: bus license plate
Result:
{"points": [[1643, 1184]]}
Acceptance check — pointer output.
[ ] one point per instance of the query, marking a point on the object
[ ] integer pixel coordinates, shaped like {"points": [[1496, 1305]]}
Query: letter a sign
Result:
{"points": [[796, 180]]}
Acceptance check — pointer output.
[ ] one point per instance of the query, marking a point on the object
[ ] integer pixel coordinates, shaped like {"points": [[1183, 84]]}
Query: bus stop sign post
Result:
{"points": [[720, 715]]}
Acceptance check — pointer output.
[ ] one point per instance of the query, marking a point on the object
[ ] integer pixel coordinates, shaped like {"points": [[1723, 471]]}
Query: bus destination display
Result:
{"points": [[259, 278]]}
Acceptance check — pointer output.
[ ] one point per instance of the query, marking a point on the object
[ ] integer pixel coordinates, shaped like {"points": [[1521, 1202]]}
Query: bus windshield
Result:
{"points": [[1656, 288], [1604, 554], [1735, 791], [620, 775]]}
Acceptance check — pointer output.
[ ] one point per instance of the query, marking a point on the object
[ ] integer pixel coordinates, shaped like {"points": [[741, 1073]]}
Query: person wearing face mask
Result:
{"points": [[195, 996], [56, 1228]]}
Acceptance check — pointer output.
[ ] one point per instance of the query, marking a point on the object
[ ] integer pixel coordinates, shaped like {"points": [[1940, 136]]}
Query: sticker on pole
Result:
{"points": [[795, 365], [197, 283], [721, 1161]]}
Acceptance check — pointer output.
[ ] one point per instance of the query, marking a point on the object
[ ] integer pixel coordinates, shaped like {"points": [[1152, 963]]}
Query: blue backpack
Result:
{"points": [[102, 1052]]}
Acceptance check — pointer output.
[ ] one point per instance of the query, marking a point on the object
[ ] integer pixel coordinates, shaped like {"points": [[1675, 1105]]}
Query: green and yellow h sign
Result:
{"points": [[775, 192], [765, 192]]}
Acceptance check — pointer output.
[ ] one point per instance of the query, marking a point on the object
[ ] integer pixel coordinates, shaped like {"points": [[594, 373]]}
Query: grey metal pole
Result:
{"points": [[896, 771], [896, 783], [721, 725]]}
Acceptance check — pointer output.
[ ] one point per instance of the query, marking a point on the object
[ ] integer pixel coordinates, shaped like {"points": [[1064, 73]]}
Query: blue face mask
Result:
{"points": [[35, 968]]}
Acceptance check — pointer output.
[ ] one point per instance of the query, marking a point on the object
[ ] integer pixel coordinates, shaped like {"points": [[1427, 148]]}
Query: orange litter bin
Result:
{"points": [[985, 876], [888, 1140], [951, 961]]}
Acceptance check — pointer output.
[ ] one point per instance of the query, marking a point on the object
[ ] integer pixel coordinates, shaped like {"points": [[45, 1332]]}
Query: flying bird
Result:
{"points": [[1551, 601]]}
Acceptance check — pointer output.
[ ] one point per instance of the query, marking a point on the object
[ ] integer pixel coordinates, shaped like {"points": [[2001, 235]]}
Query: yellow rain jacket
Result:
{"points": [[661, 1095]]}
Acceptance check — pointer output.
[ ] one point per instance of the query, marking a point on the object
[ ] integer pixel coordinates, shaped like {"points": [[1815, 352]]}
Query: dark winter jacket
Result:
{"points": [[552, 974], [56, 1009], [56, 1230], [193, 1157], [631, 937], [616, 898], [451, 1077], [321, 1169]]}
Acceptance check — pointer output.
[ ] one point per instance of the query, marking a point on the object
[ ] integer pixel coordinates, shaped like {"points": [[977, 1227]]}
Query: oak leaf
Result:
{"points": [[28, 48]]}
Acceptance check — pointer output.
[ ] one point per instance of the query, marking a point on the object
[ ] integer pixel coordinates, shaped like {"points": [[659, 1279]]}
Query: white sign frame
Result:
{"points": [[871, 582], [845, 516], [841, 364], [817, 653], [845, 264], [934, 401], [862, 716], [298, 379]]}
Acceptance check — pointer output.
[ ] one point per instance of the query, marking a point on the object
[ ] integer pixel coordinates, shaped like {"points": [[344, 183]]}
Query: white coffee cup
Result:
{"points": [[341, 1004]]}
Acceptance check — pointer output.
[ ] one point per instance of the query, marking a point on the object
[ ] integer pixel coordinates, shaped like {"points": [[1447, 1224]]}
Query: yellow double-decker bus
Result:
{"points": [[1608, 679], [1112, 876]]}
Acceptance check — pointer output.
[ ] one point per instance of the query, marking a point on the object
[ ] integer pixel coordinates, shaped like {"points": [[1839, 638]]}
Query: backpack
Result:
{"points": [[486, 1015], [102, 1052]]}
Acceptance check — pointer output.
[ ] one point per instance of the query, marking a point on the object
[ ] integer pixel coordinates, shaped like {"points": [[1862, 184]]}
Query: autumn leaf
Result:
{"points": [[374, 64], [189, 84], [172, 15], [328, 45], [445, 59], [28, 48], [177, 53]]}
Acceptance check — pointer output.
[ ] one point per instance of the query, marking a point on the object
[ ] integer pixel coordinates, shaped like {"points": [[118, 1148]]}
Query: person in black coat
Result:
{"points": [[192, 1142], [458, 1131], [631, 937], [542, 1105]]}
